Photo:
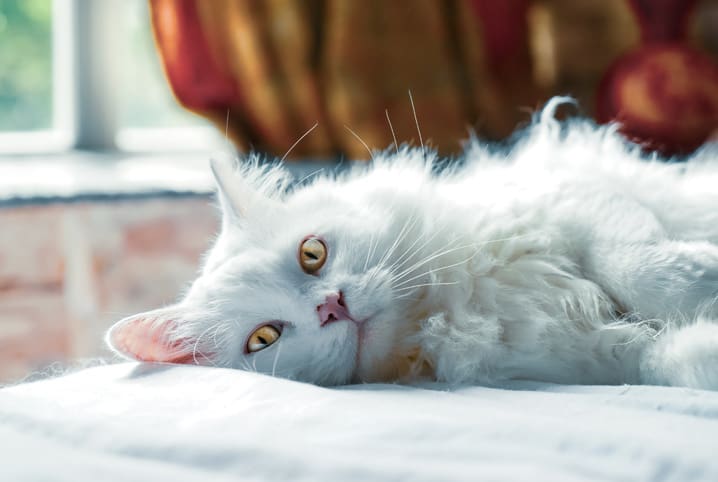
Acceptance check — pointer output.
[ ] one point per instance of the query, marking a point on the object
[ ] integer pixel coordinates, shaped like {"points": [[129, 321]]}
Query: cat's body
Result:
{"points": [[569, 260]]}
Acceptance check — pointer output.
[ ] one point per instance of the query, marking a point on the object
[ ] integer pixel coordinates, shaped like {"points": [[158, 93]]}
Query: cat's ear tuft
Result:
{"points": [[151, 337], [253, 188], [233, 194]]}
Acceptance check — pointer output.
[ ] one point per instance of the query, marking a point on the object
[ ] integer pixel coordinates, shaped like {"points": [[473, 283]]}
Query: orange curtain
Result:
{"points": [[268, 70]]}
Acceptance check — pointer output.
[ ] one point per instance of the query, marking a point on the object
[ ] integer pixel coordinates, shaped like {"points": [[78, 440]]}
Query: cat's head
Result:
{"points": [[298, 284]]}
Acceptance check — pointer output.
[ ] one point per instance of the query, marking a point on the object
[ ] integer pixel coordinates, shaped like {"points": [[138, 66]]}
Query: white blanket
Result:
{"points": [[165, 423]]}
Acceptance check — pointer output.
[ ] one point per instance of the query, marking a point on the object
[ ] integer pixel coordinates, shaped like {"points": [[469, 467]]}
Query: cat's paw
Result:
{"points": [[686, 357]]}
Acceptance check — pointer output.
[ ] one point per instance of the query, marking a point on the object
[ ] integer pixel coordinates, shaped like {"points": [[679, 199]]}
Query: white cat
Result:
{"points": [[569, 258]]}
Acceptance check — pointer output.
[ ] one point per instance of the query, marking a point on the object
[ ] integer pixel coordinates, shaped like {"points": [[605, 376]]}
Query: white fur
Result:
{"points": [[569, 257]]}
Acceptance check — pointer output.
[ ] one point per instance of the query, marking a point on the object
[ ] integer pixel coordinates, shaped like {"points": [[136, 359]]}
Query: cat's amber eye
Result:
{"points": [[262, 337], [312, 254]]}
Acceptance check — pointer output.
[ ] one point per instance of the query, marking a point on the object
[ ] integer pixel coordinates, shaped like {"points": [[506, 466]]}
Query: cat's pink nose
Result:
{"points": [[333, 309]]}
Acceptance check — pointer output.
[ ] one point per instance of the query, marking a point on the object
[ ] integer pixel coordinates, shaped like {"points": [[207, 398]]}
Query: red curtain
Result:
{"points": [[274, 68]]}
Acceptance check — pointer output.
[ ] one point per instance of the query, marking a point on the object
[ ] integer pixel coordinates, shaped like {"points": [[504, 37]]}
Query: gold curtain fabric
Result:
{"points": [[274, 68]]}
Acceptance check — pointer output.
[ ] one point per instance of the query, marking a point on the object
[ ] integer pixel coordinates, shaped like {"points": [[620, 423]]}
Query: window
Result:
{"points": [[33, 110], [84, 74]]}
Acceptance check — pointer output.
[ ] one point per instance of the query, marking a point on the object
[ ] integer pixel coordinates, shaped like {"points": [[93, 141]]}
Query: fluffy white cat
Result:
{"points": [[569, 257]]}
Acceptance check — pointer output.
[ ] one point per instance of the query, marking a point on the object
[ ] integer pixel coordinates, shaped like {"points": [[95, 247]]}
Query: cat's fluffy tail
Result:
{"points": [[685, 356]]}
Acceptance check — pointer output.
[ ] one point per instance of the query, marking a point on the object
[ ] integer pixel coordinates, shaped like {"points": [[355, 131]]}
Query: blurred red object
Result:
{"points": [[665, 92]]}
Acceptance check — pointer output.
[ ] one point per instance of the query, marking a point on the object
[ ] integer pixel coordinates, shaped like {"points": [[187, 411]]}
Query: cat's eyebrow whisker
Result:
{"points": [[298, 141], [391, 128], [226, 133], [416, 120], [371, 155]]}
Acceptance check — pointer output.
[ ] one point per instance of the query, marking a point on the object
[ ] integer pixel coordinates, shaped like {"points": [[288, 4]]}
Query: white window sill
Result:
{"points": [[85, 176]]}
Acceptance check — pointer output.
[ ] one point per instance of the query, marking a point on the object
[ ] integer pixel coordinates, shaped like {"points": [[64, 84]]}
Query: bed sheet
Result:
{"points": [[188, 423]]}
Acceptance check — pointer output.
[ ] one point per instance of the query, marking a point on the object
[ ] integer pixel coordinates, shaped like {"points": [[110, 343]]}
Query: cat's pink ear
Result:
{"points": [[150, 337]]}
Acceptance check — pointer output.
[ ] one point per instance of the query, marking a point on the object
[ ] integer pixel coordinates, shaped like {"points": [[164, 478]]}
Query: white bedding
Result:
{"points": [[187, 423]]}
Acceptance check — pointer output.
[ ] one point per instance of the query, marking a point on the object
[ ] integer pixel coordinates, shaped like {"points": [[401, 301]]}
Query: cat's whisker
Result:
{"points": [[276, 358], [196, 345], [399, 238], [311, 174], [426, 240], [421, 285], [408, 251], [298, 141], [245, 365], [429, 258], [227, 141], [434, 270], [368, 253], [226, 127], [403, 259], [416, 120], [373, 247], [371, 155], [391, 128], [218, 328]]}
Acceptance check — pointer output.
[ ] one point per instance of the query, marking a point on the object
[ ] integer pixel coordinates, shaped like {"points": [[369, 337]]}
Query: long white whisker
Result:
{"points": [[375, 245], [368, 252], [429, 258], [400, 237], [416, 120], [196, 344], [298, 141], [391, 127], [403, 259], [311, 174], [443, 283], [447, 251], [371, 155], [245, 365], [434, 270], [214, 335]]}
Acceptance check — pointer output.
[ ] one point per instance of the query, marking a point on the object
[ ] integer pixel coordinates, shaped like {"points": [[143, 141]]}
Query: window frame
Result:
{"points": [[84, 99]]}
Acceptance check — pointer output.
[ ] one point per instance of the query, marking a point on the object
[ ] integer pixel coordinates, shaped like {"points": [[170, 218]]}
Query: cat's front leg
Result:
{"points": [[666, 280]]}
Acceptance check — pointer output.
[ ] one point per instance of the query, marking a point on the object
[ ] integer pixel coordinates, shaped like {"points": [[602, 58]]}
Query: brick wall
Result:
{"points": [[68, 271]]}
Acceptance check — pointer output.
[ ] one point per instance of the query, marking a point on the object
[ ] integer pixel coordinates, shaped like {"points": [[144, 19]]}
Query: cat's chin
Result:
{"points": [[382, 358]]}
